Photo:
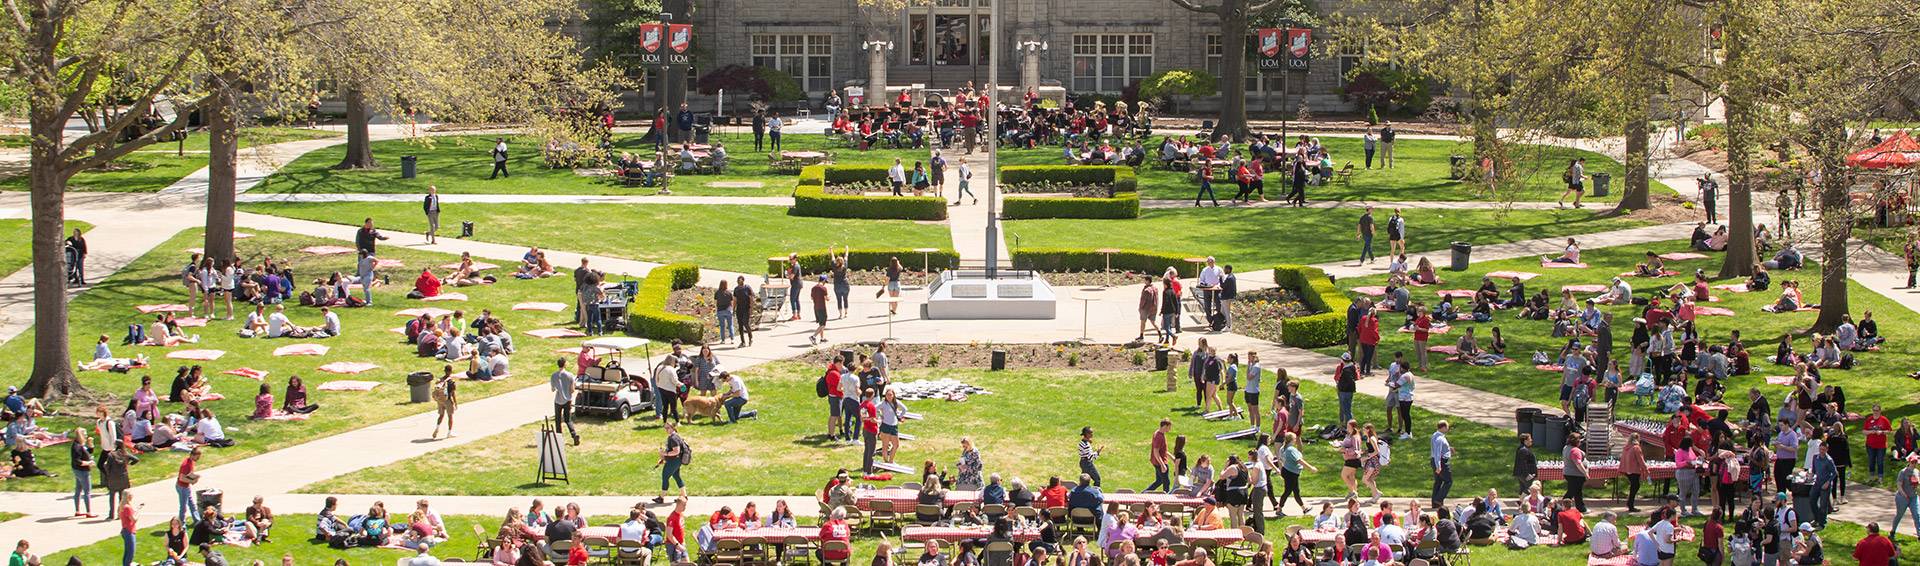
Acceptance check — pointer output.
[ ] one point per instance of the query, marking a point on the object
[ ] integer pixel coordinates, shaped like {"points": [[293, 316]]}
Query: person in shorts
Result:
{"points": [[819, 310], [1575, 177]]}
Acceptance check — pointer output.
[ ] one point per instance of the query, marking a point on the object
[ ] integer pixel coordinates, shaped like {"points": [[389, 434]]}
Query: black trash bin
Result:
{"points": [[1160, 358], [999, 360], [1803, 498], [702, 128], [419, 387], [1523, 419], [846, 356], [1458, 167], [1549, 434], [1600, 182], [408, 166], [1462, 252]]}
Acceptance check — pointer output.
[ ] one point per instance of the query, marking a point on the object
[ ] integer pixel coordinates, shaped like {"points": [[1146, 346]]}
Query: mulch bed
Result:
{"points": [[1259, 313]]}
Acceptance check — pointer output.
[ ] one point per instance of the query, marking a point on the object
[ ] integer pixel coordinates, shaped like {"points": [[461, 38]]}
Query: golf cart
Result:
{"points": [[608, 388]]}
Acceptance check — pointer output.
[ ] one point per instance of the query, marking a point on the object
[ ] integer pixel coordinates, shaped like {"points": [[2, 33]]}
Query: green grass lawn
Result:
{"points": [[730, 237], [782, 451], [292, 536], [156, 166], [1878, 379], [20, 230], [1266, 236], [1420, 173], [9, 516], [107, 308]]}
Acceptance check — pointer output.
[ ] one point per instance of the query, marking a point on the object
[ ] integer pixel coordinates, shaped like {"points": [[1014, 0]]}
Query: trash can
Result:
{"points": [[1458, 167], [419, 387], [847, 356], [1549, 434], [1160, 358], [1523, 419], [999, 360], [209, 498], [1462, 251], [702, 127], [1600, 181], [1803, 497], [408, 166]]}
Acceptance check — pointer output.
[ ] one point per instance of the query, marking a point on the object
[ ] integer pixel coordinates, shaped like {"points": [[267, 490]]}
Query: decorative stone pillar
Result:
{"points": [[877, 51], [1030, 65]]}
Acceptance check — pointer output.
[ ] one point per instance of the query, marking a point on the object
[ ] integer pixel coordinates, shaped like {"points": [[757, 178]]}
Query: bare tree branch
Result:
{"points": [[1188, 4]]}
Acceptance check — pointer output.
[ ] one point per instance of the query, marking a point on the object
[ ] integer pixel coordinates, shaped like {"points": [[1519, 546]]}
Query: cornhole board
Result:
{"points": [[1237, 434], [912, 416], [1220, 415], [905, 436], [893, 467]]}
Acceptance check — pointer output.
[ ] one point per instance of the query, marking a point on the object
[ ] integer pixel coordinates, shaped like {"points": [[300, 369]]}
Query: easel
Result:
{"points": [[553, 458]]}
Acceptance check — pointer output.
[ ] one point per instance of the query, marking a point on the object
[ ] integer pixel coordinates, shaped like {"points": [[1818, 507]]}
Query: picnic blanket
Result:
{"points": [[1621, 560], [190, 321], [388, 263], [477, 266], [326, 250], [1515, 275], [1682, 256], [1663, 273], [105, 364], [1584, 288], [285, 416], [1448, 350], [248, 373], [150, 309], [1779, 380], [1711, 407], [1732, 287], [435, 312], [1371, 290], [349, 385], [1769, 308], [556, 333], [201, 355], [347, 367], [1456, 293], [1558, 265], [301, 350], [1437, 329], [446, 297], [551, 307], [1556, 368], [401, 330], [1712, 311]]}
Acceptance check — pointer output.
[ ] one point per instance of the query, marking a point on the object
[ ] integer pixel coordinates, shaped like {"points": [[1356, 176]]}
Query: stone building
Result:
{"points": [[1089, 46]]}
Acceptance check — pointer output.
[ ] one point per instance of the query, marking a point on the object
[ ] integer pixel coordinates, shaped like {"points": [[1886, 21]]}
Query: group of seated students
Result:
{"points": [[259, 324], [1703, 241], [23, 434], [464, 274], [904, 125], [533, 537], [534, 265], [419, 530], [485, 341], [266, 283], [164, 332]]}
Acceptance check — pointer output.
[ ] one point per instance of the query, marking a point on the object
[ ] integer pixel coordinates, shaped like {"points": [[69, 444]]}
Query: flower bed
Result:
{"points": [[812, 195], [1261, 314], [1098, 192]]}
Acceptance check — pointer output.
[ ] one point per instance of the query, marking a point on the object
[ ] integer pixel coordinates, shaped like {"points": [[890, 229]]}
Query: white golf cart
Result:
{"points": [[608, 388]]}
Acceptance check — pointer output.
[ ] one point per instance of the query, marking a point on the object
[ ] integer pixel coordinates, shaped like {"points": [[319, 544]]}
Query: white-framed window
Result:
{"points": [[1108, 62], [808, 57], [1351, 57], [1216, 64]]}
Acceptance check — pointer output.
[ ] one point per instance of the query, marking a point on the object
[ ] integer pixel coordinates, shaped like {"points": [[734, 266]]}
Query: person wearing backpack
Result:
{"points": [[676, 454]]}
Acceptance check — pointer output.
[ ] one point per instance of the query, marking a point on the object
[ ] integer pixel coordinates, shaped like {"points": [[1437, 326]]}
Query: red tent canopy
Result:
{"points": [[1898, 151]]}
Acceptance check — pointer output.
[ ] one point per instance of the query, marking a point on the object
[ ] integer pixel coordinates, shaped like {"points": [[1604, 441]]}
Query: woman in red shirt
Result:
{"points": [[1055, 495], [1369, 340], [835, 529]]}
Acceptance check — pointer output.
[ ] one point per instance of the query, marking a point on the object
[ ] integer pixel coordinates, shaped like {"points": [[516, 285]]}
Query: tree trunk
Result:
{"points": [[1233, 70], [223, 145], [1634, 194], [1741, 255], [1836, 222], [1486, 137], [359, 145], [53, 375]]}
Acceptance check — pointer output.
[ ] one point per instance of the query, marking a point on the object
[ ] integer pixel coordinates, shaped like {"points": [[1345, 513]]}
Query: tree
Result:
{"points": [[1234, 18], [59, 51]]}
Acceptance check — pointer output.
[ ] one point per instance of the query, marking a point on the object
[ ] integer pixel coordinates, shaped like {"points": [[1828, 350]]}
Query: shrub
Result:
{"points": [[648, 317], [1083, 259], [1026, 208], [818, 261], [1191, 82], [766, 83], [1325, 328], [1121, 178], [810, 197], [1375, 85]]}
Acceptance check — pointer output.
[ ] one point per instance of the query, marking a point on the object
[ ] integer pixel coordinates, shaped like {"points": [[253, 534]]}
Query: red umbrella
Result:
{"points": [[1898, 151]]}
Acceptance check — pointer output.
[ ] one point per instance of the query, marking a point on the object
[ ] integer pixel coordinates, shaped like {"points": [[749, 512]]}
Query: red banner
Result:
{"points": [[679, 37], [650, 37], [1298, 40], [1268, 41]]}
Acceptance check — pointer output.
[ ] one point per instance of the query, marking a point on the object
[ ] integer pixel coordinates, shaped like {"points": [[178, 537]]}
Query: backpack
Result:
{"points": [[820, 387], [1385, 452], [1582, 394], [1541, 358], [686, 450]]}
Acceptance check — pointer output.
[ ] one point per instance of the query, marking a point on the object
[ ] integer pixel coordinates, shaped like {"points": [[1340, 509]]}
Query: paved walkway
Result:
{"points": [[968, 221], [513, 199]]}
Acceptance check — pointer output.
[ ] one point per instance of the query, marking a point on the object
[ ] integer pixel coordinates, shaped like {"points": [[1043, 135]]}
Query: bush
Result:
{"points": [[1083, 259], [810, 197], [1126, 205], [1375, 85], [818, 261], [1121, 178], [647, 316], [766, 83], [1191, 82], [1325, 328]]}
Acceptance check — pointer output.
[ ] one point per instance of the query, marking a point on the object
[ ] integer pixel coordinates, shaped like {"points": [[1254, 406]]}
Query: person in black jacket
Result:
{"points": [[759, 130], [1526, 467], [1229, 289], [431, 206], [684, 123], [364, 239], [79, 267]]}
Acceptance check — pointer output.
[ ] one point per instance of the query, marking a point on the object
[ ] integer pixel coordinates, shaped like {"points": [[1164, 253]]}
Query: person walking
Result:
{"points": [[1913, 267], [1367, 142], [672, 457], [1396, 234], [1573, 465], [666, 389], [723, 310], [937, 167], [431, 207], [1366, 236], [869, 428], [1159, 458], [78, 244], [1877, 427], [1386, 145], [82, 458], [1441, 453], [1709, 198], [446, 399], [1346, 378], [795, 284], [1206, 186], [773, 131], [129, 525], [1256, 468], [819, 295], [186, 477], [1291, 461], [363, 274], [743, 303], [759, 130], [1299, 194], [1089, 453], [897, 177], [499, 159], [1575, 176], [966, 175], [563, 384]]}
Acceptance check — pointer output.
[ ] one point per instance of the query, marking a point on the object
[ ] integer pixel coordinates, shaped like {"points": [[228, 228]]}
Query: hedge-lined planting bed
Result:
{"points": [[1081, 259], [648, 317], [810, 196], [1328, 326], [819, 261], [1124, 206]]}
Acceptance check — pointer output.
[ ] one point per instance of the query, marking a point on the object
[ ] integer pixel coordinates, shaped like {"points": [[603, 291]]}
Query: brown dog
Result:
{"points": [[699, 406]]}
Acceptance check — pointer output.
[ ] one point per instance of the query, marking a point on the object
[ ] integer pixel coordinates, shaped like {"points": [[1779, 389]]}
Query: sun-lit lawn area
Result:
{"points": [[1026, 428], [20, 231], [1879, 378], [730, 237], [157, 166], [108, 308], [1267, 236]]}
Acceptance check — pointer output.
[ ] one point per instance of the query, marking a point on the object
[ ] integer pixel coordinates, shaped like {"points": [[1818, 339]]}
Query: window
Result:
{"points": [[808, 57], [1108, 62], [1351, 57], [1216, 64]]}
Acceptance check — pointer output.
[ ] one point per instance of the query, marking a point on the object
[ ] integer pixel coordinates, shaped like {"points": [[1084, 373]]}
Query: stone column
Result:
{"points": [[1029, 68], [877, 71]]}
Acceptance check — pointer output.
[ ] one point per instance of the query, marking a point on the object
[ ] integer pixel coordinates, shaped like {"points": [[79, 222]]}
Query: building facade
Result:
{"points": [[1089, 46]]}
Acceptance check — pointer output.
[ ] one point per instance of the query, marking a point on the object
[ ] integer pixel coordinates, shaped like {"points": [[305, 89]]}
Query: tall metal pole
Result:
{"points": [[993, 146]]}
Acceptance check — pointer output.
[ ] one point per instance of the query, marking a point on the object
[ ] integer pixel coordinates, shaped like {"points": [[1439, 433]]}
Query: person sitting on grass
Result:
{"points": [[1516, 296], [1788, 258], [1869, 330], [208, 431], [263, 403], [1790, 299], [1482, 309], [534, 265], [256, 324], [426, 285], [1652, 267], [1445, 311], [279, 326], [165, 334], [1425, 274], [295, 400], [1618, 293], [1538, 307], [1467, 347], [452, 347], [1571, 255]]}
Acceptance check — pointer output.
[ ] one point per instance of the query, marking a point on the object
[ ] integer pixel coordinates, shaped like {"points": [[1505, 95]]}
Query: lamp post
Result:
{"points": [[993, 149]]}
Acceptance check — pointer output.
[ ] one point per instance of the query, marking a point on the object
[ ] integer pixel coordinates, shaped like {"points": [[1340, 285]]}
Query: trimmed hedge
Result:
{"points": [[1127, 205], [1122, 178], [1082, 259], [818, 261], [648, 317], [810, 197], [1328, 326]]}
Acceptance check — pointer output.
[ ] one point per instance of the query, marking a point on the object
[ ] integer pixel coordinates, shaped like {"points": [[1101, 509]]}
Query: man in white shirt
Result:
{"points": [[1210, 278], [279, 326], [1619, 293], [330, 321], [635, 529], [499, 158], [736, 396], [1604, 540], [563, 384], [897, 175], [773, 130]]}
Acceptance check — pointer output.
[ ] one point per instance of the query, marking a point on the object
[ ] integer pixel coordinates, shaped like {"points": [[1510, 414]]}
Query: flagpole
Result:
{"points": [[993, 144]]}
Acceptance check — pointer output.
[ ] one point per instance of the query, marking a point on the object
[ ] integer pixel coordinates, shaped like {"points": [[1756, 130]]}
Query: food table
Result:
{"points": [[905, 500], [1550, 470], [772, 535]]}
